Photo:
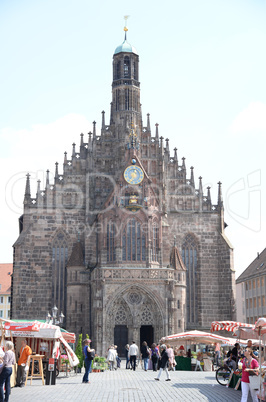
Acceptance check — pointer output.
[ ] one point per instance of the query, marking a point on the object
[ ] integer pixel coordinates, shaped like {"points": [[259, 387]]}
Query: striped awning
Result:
{"points": [[230, 326]]}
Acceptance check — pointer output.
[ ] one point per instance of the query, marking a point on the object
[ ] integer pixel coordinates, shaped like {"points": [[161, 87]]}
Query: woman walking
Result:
{"points": [[164, 360], [248, 368], [8, 360]]}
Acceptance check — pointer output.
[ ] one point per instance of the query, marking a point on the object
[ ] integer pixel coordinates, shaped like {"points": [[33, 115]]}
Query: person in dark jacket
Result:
{"points": [[164, 361], [145, 354], [154, 356]]}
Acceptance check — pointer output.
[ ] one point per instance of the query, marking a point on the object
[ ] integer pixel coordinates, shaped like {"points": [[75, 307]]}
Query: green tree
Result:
{"points": [[79, 352]]}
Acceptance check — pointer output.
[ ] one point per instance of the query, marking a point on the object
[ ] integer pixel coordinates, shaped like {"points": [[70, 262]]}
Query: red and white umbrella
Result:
{"points": [[199, 336]]}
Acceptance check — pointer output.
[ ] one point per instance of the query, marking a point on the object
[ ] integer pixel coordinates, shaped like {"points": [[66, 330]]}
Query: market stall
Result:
{"points": [[43, 339], [196, 337], [255, 332]]}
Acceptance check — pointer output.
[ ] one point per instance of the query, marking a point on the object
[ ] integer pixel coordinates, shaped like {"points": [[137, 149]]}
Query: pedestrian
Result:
{"points": [[23, 363], [145, 354], [133, 353], [89, 356], [199, 360], [217, 354], [154, 356], [127, 357], [164, 361], [248, 368], [111, 357], [171, 356], [7, 360]]}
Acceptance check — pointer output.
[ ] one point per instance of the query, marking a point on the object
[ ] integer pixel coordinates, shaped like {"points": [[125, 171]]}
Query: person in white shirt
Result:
{"points": [[133, 353], [111, 357]]}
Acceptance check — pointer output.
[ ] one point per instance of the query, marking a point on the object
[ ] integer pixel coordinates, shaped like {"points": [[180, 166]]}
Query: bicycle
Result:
{"points": [[223, 374]]}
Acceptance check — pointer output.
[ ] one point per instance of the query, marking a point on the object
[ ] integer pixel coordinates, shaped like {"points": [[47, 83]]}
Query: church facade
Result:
{"points": [[124, 241]]}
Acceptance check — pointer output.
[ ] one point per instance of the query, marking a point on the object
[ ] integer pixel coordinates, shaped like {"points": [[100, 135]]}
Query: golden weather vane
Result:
{"points": [[126, 17]]}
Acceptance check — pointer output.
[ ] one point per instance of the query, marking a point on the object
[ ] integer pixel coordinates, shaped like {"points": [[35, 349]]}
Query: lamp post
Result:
{"points": [[54, 318]]}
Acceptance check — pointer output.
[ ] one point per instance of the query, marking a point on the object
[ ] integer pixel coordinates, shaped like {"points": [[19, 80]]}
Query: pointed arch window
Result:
{"points": [[133, 242], [126, 99], [59, 262], [190, 259], [110, 240], [117, 99]]}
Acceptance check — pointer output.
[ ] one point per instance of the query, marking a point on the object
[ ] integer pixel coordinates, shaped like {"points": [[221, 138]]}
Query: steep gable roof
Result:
{"points": [[257, 267], [76, 258], [6, 271], [176, 261]]}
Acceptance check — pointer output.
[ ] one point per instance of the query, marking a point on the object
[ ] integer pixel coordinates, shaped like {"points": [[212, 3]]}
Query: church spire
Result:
{"points": [[220, 197], [157, 132], [192, 182], [27, 196], [148, 123]]}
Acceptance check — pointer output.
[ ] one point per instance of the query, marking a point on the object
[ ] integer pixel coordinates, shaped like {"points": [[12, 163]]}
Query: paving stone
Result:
{"points": [[128, 386]]}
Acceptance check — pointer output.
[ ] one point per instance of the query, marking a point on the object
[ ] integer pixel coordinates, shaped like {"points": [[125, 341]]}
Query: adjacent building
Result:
{"points": [[251, 290], [5, 289], [124, 240]]}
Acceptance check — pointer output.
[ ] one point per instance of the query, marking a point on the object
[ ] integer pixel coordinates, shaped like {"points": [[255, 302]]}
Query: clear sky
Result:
{"points": [[202, 73]]}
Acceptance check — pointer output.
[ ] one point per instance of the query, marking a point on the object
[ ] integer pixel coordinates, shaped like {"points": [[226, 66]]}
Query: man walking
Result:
{"points": [[133, 353]]}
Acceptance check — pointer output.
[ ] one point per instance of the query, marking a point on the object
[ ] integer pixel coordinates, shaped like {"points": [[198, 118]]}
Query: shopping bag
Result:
{"points": [[254, 381]]}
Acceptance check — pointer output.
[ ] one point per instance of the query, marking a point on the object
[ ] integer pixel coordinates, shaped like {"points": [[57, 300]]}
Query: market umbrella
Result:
{"points": [[198, 336]]}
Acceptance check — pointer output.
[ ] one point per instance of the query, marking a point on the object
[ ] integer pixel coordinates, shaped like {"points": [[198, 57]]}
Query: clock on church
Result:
{"points": [[133, 174]]}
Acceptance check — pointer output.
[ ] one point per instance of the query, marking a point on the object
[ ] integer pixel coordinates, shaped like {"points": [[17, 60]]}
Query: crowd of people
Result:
{"points": [[156, 357]]}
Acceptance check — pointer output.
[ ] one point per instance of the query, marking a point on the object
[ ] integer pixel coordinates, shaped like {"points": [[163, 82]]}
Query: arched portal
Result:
{"points": [[129, 313]]}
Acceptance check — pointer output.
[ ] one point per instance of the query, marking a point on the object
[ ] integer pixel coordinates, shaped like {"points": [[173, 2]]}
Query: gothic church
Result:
{"points": [[124, 241]]}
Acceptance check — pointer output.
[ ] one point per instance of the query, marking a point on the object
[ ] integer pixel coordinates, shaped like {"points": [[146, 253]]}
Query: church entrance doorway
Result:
{"points": [[121, 339], [146, 334]]}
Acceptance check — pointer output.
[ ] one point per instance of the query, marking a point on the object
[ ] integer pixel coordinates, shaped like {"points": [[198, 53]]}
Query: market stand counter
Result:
{"points": [[183, 363]]}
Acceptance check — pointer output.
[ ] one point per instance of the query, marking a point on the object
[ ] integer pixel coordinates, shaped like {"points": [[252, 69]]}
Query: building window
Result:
{"points": [[254, 302], [59, 261], [155, 242], [179, 323], [1, 299], [8, 313], [126, 99], [117, 70], [259, 302], [9, 299], [178, 304], [258, 283], [254, 284], [110, 242], [246, 286], [263, 300], [247, 303], [250, 303], [262, 281], [133, 242], [189, 256], [126, 67], [117, 99]]}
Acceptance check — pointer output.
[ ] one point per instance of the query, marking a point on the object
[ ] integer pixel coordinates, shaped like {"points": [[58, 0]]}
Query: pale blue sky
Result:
{"points": [[202, 73]]}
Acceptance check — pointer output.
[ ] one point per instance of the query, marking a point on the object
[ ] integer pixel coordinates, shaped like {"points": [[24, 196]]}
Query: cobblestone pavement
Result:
{"points": [[128, 386]]}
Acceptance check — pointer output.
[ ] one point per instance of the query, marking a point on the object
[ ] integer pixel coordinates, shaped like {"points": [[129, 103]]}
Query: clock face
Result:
{"points": [[133, 174]]}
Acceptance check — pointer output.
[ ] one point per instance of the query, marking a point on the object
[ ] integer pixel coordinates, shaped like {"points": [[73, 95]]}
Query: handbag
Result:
{"points": [[254, 381]]}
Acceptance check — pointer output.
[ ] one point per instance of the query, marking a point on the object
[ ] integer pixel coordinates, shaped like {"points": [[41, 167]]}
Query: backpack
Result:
{"points": [[90, 355]]}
